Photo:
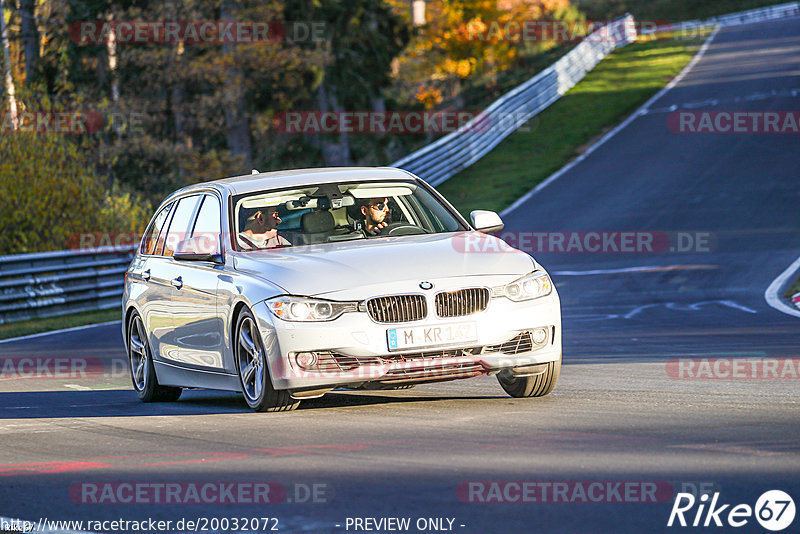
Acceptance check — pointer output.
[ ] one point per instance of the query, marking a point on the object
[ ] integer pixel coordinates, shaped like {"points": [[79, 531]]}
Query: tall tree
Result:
{"points": [[9, 76], [237, 128], [30, 37], [364, 37]]}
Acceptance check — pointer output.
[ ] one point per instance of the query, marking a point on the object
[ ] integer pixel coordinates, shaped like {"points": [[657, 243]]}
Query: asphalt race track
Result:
{"points": [[619, 413]]}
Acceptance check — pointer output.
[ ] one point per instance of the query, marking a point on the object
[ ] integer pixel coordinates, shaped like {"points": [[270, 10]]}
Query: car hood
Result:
{"points": [[319, 269]]}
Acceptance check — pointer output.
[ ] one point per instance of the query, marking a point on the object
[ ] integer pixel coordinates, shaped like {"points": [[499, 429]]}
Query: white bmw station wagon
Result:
{"points": [[286, 285]]}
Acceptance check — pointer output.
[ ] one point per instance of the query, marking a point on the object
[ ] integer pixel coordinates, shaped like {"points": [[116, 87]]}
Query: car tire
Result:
{"points": [[143, 372], [251, 366], [531, 386]]}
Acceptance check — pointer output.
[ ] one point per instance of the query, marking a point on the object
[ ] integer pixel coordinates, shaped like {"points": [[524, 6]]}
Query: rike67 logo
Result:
{"points": [[774, 511]]}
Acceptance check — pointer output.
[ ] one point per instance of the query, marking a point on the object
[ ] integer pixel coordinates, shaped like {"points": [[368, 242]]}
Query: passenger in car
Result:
{"points": [[375, 212], [260, 229]]}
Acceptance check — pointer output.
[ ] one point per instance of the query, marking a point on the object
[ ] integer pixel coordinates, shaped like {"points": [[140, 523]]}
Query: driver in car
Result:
{"points": [[376, 213], [260, 229]]}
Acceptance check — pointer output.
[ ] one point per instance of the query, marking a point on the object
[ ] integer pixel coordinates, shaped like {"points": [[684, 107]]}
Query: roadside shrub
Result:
{"points": [[49, 192]]}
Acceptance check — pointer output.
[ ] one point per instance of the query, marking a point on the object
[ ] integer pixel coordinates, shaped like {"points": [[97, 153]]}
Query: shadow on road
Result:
{"points": [[123, 403]]}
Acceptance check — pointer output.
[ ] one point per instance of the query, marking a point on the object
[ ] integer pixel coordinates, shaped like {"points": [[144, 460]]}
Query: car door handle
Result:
{"points": [[177, 282], [146, 275]]}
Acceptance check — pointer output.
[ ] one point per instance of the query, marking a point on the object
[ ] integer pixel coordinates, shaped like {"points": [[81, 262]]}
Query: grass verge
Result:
{"points": [[615, 88], [35, 326]]}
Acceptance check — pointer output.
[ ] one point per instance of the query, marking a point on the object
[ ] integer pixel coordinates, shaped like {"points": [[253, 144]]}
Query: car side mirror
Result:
{"points": [[485, 221], [199, 248]]}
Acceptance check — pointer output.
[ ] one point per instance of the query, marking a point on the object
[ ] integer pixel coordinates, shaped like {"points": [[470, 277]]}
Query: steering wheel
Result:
{"points": [[402, 228]]}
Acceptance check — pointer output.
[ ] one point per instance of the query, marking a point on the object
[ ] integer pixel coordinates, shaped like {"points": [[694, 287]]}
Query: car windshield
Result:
{"points": [[328, 213]]}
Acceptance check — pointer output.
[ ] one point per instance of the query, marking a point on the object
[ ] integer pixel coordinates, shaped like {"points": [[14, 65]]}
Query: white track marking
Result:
{"points": [[593, 317], [605, 271], [713, 102], [638, 269], [772, 293], [638, 309], [65, 330], [695, 306]]}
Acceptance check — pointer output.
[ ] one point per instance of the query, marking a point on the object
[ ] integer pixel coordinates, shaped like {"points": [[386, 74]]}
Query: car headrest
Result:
{"points": [[354, 212], [315, 222]]}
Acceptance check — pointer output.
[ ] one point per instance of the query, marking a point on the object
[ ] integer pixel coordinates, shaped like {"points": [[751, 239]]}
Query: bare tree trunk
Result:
{"points": [[178, 94], [9, 78], [111, 50], [334, 154], [237, 127], [30, 37], [177, 99]]}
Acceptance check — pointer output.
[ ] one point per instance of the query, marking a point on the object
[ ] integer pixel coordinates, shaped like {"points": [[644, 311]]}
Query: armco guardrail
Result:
{"points": [[442, 159], [58, 283], [790, 9]]}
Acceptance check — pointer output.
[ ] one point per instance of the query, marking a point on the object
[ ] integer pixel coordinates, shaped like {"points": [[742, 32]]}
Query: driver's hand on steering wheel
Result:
{"points": [[377, 229]]}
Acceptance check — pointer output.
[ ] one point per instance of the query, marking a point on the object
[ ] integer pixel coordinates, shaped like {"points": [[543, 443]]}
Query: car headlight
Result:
{"points": [[532, 286], [304, 309]]}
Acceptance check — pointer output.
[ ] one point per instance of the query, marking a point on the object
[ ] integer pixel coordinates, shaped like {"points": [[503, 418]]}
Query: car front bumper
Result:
{"points": [[353, 349]]}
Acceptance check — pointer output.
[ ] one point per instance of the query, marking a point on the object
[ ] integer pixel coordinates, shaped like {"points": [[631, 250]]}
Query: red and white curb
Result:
{"points": [[796, 300]]}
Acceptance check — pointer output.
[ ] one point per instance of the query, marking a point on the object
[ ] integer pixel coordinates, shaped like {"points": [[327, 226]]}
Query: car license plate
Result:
{"points": [[431, 336]]}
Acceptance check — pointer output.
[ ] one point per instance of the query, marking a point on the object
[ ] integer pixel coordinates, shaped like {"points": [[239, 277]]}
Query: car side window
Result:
{"points": [[151, 236], [208, 226], [179, 226]]}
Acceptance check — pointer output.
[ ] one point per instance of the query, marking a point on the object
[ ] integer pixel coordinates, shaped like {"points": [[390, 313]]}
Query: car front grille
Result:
{"points": [[522, 343], [397, 308], [462, 302], [332, 361], [436, 373]]}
